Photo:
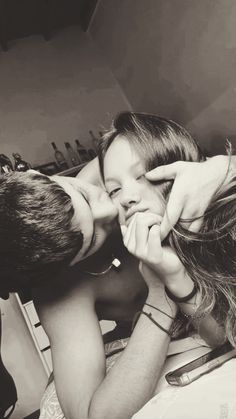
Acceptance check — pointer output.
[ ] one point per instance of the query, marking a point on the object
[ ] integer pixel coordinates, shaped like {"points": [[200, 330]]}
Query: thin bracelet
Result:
{"points": [[158, 309], [149, 315], [182, 299]]}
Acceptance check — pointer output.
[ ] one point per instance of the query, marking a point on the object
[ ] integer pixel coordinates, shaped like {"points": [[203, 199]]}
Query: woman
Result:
{"points": [[205, 281], [124, 389]]}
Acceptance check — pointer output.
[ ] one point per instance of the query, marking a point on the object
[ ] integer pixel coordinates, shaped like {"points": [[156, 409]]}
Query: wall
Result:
{"points": [[175, 58], [54, 91]]}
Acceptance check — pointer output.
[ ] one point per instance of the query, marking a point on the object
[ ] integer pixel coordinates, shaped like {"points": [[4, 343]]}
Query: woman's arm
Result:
{"points": [[169, 269], [181, 285], [84, 391]]}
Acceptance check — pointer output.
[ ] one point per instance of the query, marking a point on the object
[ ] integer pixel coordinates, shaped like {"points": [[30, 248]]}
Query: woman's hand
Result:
{"points": [[161, 266], [193, 188], [142, 239]]}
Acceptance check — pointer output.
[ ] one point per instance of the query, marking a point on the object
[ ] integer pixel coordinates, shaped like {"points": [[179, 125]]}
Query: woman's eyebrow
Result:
{"points": [[110, 179], [137, 164]]}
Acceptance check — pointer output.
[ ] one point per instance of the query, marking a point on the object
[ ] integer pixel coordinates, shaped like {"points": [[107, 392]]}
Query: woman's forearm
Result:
{"points": [[206, 325]]}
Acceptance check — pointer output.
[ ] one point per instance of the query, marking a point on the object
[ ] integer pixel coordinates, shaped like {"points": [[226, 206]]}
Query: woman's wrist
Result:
{"points": [[180, 284], [164, 313], [226, 166], [161, 301]]}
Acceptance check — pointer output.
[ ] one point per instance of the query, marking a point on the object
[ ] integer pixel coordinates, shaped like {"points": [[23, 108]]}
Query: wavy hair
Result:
{"points": [[209, 256]]}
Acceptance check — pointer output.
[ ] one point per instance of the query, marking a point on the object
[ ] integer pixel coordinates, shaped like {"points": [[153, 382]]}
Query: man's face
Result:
{"points": [[94, 213]]}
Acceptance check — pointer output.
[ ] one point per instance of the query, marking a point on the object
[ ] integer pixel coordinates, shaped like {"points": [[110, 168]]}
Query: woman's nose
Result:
{"points": [[128, 199]]}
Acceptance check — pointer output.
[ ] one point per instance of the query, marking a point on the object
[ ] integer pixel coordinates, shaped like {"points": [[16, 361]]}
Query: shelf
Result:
{"points": [[72, 171]]}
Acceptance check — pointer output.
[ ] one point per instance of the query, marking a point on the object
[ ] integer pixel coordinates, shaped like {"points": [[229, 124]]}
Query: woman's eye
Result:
{"points": [[142, 176], [113, 192]]}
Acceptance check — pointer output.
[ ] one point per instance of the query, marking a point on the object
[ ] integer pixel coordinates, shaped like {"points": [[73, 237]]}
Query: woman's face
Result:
{"points": [[94, 213], [125, 182]]}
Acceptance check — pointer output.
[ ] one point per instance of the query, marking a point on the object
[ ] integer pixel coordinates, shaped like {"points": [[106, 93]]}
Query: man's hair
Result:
{"points": [[36, 234], [209, 256]]}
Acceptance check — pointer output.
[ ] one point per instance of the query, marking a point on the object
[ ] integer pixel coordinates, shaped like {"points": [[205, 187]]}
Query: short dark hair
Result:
{"points": [[36, 235]]}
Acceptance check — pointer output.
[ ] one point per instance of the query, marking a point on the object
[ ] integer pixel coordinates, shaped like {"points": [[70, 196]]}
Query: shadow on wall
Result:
{"points": [[176, 59], [214, 134]]}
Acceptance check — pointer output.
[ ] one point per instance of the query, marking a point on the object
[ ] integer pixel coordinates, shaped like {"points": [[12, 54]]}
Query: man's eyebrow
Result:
{"points": [[91, 243], [93, 235]]}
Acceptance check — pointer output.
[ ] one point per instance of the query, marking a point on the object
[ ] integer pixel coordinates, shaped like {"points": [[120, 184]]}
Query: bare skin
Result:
{"points": [[70, 310]]}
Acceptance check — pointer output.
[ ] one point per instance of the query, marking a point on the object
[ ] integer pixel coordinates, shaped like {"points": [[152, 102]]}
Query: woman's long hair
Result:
{"points": [[209, 256]]}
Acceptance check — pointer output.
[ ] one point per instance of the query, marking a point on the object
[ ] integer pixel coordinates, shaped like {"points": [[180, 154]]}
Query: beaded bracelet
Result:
{"points": [[182, 299], [149, 315]]}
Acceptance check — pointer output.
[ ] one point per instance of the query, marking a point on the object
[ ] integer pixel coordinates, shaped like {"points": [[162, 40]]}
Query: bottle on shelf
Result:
{"points": [[82, 152], [60, 159], [20, 165], [73, 157], [5, 164], [91, 153], [95, 141]]}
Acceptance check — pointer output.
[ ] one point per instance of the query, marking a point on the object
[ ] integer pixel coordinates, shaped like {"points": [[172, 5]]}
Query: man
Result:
{"points": [[71, 310]]}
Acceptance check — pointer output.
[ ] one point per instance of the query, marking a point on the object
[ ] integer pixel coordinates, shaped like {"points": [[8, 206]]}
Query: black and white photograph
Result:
{"points": [[117, 209]]}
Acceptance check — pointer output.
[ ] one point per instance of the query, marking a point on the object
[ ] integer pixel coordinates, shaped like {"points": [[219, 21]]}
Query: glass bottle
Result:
{"points": [[20, 165], [73, 157], [82, 152], [92, 153], [5, 164], [60, 159]]}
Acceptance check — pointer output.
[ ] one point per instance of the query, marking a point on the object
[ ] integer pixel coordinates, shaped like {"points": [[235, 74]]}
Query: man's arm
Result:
{"points": [[194, 186], [78, 355]]}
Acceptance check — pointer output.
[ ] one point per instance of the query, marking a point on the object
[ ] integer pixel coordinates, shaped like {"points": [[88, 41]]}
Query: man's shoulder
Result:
{"points": [[62, 291]]}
